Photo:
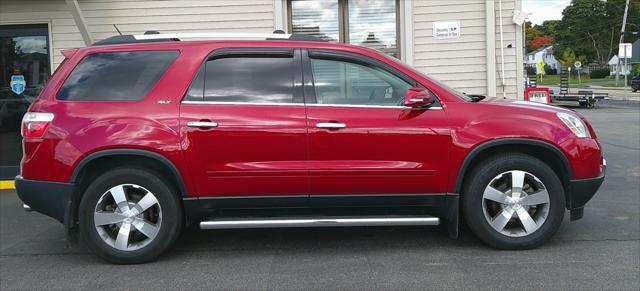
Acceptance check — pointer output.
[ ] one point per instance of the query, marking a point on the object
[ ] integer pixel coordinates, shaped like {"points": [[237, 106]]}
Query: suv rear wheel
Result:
{"points": [[513, 201], [129, 216]]}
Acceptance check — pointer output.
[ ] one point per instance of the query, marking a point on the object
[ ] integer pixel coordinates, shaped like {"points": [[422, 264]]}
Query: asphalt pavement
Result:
{"points": [[600, 251]]}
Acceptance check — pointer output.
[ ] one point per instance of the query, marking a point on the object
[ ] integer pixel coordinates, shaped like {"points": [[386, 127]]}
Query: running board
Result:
{"points": [[275, 222]]}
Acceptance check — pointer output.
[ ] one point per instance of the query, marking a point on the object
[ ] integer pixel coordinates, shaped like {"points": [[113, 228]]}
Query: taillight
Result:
{"points": [[34, 124]]}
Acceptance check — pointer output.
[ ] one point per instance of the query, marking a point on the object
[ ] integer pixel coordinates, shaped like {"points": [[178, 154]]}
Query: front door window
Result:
{"points": [[338, 82], [24, 69]]}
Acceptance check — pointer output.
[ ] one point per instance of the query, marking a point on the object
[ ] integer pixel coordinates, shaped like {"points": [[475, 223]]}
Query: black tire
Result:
{"points": [[472, 201], [170, 226]]}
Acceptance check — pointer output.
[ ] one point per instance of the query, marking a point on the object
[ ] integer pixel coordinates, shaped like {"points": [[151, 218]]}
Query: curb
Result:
{"points": [[7, 185]]}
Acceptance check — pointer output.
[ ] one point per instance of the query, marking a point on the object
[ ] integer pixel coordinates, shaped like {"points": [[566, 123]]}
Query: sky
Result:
{"points": [[542, 10]]}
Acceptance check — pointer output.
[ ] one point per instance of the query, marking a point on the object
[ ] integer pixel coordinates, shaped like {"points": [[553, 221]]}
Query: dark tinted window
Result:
{"points": [[116, 76], [249, 79], [196, 89]]}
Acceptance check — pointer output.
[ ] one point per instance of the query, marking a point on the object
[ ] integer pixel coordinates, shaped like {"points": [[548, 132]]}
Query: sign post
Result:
{"points": [[540, 68], [578, 66], [625, 51]]}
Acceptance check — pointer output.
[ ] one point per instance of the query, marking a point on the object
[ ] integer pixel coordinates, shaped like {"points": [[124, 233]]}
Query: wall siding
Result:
{"points": [[138, 16], [461, 63], [511, 61]]}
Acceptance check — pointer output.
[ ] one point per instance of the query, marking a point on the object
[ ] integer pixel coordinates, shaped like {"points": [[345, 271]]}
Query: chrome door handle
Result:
{"points": [[330, 125], [202, 124]]}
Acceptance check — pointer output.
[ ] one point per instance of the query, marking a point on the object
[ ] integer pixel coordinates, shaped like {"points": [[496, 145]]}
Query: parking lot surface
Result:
{"points": [[600, 251]]}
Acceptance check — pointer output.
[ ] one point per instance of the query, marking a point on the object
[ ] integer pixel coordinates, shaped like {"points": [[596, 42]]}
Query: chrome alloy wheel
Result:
{"points": [[515, 203], [127, 217]]}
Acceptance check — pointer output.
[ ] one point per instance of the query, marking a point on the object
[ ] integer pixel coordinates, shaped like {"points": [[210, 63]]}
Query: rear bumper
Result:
{"points": [[581, 191], [52, 199]]}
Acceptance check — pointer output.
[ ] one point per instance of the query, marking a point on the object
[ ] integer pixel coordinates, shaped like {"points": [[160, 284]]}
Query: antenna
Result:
{"points": [[118, 30]]}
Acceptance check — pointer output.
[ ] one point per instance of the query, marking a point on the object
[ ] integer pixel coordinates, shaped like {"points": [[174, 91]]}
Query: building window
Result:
{"points": [[369, 23]]}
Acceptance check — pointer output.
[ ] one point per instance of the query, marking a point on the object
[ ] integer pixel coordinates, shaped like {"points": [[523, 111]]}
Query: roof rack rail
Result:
{"points": [[155, 37], [124, 39]]}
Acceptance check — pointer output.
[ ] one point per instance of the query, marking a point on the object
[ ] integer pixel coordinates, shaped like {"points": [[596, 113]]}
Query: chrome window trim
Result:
{"points": [[370, 106], [241, 103], [302, 104]]}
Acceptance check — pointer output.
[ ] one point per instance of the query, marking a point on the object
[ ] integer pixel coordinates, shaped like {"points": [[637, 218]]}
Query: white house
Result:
{"points": [[541, 54], [634, 59], [613, 66]]}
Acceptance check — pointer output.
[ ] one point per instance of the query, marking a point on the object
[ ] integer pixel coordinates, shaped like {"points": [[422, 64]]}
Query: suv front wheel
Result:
{"points": [[513, 201], [129, 216]]}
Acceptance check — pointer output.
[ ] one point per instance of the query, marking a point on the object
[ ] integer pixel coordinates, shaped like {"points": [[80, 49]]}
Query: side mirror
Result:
{"points": [[418, 97]]}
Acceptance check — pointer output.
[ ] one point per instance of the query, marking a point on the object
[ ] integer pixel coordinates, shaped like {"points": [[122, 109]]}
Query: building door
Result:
{"points": [[24, 68]]}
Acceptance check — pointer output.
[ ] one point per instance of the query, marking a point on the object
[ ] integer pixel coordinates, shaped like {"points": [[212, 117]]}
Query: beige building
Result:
{"points": [[471, 45], [469, 62]]}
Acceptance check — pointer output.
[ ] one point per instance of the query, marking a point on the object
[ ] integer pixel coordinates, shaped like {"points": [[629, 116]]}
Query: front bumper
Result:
{"points": [[49, 198], [581, 191]]}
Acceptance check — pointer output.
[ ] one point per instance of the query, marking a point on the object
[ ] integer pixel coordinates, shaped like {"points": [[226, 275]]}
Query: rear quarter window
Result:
{"points": [[117, 76]]}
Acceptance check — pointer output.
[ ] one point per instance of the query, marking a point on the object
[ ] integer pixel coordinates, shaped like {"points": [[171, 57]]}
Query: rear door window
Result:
{"points": [[116, 76], [249, 79]]}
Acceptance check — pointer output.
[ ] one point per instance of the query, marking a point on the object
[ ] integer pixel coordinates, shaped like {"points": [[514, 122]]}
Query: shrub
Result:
{"points": [[550, 71], [635, 70], [599, 73], [531, 71]]}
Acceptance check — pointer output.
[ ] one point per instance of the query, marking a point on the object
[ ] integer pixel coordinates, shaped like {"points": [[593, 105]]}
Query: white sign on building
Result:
{"points": [[446, 29]]}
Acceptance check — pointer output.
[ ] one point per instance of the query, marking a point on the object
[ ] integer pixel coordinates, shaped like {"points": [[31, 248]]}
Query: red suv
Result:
{"points": [[137, 136]]}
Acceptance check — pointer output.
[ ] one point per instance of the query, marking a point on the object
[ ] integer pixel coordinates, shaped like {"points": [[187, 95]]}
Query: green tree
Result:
{"points": [[591, 28], [568, 58], [580, 31], [539, 35], [531, 32], [615, 10], [548, 27], [635, 71]]}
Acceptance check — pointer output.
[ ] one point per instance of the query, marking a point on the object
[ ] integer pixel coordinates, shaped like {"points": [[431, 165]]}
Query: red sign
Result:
{"points": [[540, 95]]}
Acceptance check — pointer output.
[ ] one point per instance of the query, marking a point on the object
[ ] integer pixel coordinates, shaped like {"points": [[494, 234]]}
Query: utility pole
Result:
{"points": [[624, 24], [524, 50]]}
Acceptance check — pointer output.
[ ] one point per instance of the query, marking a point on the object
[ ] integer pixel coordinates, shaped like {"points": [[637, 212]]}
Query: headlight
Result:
{"points": [[575, 124]]}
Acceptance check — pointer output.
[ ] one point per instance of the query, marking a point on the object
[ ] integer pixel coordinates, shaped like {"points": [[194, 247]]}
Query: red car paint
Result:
{"points": [[277, 150]]}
